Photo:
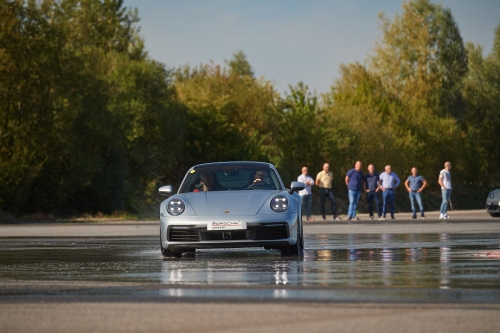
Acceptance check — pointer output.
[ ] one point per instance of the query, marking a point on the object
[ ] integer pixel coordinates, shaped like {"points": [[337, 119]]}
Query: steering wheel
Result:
{"points": [[258, 185]]}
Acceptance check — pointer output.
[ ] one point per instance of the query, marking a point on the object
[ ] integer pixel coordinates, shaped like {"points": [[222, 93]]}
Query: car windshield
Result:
{"points": [[230, 178]]}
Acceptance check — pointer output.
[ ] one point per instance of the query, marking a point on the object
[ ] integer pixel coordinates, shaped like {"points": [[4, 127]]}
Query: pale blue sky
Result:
{"points": [[286, 41]]}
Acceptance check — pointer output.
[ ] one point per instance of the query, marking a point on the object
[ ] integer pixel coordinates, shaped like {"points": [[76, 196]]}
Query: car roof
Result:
{"points": [[239, 163]]}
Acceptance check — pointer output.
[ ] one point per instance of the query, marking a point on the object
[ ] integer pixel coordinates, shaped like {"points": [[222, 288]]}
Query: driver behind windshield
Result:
{"points": [[260, 177]]}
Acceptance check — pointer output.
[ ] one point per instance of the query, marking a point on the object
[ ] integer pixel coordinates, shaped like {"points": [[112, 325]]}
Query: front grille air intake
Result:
{"points": [[183, 235], [271, 232], [257, 232]]}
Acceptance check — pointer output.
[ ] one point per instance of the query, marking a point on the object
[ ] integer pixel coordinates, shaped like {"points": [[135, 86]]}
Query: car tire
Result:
{"points": [[494, 214], [294, 250], [169, 253]]}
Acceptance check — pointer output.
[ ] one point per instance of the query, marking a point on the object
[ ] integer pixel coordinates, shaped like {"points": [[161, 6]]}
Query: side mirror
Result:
{"points": [[297, 186], [165, 190]]}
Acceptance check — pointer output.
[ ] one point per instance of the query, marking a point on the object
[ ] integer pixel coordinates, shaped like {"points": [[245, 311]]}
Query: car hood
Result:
{"points": [[237, 203]]}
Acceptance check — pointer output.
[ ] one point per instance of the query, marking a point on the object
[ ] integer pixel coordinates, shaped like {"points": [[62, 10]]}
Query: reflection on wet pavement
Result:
{"points": [[440, 261]]}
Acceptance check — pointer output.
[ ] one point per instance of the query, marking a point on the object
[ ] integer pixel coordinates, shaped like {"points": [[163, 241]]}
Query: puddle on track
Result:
{"points": [[436, 261]]}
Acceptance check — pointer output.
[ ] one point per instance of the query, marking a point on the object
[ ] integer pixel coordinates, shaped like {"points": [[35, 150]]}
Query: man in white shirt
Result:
{"points": [[445, 182], [306, 194]]}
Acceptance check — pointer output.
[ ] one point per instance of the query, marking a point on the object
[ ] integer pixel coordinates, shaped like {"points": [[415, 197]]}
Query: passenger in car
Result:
{"points": [[208, 183]]}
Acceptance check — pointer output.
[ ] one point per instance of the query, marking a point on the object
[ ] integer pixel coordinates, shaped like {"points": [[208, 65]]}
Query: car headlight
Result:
{"points": [[491, 195], [176, 207], [279, 203]]}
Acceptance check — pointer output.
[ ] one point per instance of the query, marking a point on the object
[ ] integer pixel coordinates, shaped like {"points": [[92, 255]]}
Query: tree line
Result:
{"points": [[90, 123]]}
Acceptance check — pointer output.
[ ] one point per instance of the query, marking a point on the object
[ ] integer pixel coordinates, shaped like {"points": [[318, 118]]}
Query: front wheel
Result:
{"points": [[495, 214], [294, 250], [169, 253]]}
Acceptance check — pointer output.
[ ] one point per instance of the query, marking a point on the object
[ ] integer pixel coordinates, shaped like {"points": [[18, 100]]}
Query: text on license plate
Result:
{"points": [[226, 225]]}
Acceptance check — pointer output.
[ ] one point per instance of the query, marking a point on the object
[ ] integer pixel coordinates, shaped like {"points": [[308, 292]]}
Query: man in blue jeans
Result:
{"points": [[354, 182], [445, 182], [371, 187], [415, 184], [388, 183]]}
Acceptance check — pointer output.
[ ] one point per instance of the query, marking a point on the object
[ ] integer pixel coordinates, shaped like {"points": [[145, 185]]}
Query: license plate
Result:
{"points": [[227, 225]]}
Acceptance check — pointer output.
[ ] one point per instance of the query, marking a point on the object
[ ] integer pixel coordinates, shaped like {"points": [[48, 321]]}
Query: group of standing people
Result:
{"points": [[372, 184]]}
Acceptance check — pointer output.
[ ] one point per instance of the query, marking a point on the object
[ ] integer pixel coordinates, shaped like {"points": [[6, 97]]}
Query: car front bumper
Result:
{"points": [[190, 232], [493, 206]]}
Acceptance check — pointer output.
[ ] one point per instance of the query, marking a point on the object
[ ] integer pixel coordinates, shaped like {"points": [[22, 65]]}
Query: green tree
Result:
{"points": [[361, 108], [420, 62], [481, 123], [230, 117], [452, 64], [239, 65], [299, 134], [84, 111], [31, 70]]}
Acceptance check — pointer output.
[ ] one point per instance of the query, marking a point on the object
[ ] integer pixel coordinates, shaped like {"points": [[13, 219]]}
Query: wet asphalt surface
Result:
{"points": [[395, 267]]}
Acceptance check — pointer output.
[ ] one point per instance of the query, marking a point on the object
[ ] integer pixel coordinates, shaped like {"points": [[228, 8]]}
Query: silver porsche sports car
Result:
{"points": [[231, 205], [493, 203]]}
